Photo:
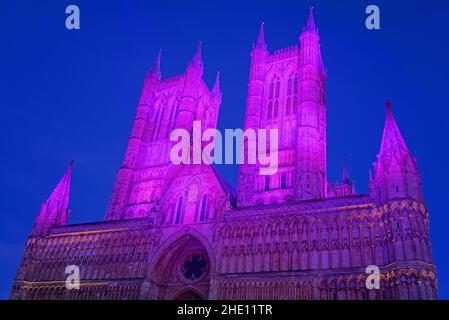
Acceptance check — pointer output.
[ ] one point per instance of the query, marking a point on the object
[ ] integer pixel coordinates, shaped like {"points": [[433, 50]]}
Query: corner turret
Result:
{"points": [[55, 211], [396, 171]]}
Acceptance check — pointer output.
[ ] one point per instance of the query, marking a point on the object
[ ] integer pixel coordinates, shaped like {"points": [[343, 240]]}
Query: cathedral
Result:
{"points": [[182, 232]]}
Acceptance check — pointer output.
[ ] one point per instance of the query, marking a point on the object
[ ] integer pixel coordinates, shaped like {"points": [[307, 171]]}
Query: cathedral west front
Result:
{"points": [[183, 232]]}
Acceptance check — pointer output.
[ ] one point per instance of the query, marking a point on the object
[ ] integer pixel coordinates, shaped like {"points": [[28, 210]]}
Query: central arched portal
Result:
{"points": [[188, 295], [183, 271]]}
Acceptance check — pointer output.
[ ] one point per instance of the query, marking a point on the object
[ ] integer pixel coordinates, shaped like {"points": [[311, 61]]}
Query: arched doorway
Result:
{"points": [[183, 271], [188, 295]]}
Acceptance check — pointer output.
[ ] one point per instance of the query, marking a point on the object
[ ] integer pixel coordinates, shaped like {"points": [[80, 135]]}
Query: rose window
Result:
{"points": [[194, 267]]}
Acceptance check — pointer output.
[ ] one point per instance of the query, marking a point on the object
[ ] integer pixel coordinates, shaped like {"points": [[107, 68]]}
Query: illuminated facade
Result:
{"points": [[181, 232]]}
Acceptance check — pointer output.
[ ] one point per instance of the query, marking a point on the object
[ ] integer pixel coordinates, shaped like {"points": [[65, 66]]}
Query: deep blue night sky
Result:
{"points": [[72, 94]]}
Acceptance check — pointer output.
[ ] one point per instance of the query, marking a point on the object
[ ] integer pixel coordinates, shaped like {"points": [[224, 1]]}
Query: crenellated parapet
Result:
{"points": [[288, 53]]}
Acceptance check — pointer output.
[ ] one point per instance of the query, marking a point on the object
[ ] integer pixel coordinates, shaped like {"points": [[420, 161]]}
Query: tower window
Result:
{"points": [[295, 105], [270, 110], [159, 124], [177, 109], [156, 118], [284, 181], [178, 211], [203, 208], [172, 213], [276, 109], [287, 110], [267, 183]]}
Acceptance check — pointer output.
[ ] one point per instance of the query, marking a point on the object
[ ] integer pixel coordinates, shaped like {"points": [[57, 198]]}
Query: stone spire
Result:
{"points": [[156, 69], [260, 43], [311, 173], [311, 38], [54, 211], [197, 60], [193, 79], [345, 187], [345, 175], [396, 171], [393, 143], [310, 26]]}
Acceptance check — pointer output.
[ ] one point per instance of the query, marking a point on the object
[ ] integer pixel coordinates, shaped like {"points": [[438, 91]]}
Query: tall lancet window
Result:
{"points": [[172, 213], [291, 107], [154, 124], [175, 115], [160, 124], [203, 208], [178, 211], [271, 90], [171, 119], [284, 181], [270, 111], [273, 99], [267, 183]]}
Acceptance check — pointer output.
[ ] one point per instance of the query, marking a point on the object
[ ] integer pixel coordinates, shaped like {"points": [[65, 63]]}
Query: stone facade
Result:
{"points": [[181, 232]]}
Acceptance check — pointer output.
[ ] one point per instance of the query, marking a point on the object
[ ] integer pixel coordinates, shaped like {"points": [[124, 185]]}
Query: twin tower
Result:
{"points": [[286, 91]]}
